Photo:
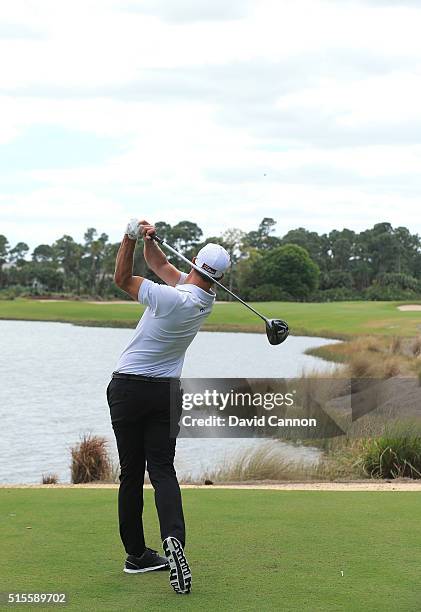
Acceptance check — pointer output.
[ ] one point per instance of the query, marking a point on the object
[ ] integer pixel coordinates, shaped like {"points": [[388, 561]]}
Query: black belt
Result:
{"points": [[139, 377]]}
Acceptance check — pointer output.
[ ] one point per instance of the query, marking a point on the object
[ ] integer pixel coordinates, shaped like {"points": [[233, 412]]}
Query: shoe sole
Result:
{"points": [[143, 570], [180, 574]]}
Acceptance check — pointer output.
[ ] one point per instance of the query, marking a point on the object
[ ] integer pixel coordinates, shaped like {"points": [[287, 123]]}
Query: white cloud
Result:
{"points": [[208, 97], [399, 3], [190, 10], [378, 99]]}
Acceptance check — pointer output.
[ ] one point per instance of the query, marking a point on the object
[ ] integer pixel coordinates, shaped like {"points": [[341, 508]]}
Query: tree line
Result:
{"points": [[380, 263]]}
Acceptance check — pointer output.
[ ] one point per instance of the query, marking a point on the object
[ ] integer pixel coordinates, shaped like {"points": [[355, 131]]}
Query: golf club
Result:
{"points": [[277, 330]]}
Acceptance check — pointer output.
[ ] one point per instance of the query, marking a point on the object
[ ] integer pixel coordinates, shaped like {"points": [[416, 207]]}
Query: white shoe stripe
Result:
{"points": [[142, 570]]}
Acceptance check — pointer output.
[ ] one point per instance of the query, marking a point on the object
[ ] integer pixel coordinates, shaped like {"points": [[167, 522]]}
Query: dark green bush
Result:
{"points": [[13, 292], [397, 280], [290, 267], [268, 293], [336, 279], [394, 286], [389, 292], [394, 455]]}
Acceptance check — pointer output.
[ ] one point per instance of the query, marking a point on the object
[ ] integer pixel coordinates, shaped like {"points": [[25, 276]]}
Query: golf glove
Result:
{"points": [[133, 229]]}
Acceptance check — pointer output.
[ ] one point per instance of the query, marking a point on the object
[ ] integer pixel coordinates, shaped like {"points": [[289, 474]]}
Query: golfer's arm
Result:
{"points": [[123, 275], [158, 263]]}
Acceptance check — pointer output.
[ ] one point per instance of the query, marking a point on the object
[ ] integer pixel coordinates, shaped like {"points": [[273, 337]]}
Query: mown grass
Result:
{"points": [[249, 550], [333, 320]]}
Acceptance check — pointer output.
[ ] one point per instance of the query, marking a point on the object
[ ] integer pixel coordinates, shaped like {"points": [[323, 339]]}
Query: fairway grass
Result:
{"points": [[332, 320], [249, 550]]}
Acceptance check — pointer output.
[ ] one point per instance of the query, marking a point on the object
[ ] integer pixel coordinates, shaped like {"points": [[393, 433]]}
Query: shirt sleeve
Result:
{"points": [[182, 278], [161, 299]]}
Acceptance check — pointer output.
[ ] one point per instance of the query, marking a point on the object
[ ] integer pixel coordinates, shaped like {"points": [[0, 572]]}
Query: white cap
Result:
{"points": [[214, 260]]}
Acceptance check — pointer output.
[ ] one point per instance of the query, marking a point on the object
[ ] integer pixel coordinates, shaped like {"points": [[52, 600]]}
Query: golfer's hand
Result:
{"points": [[148, 230]]}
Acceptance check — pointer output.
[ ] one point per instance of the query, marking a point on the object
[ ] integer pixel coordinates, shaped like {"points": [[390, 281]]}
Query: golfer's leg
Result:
{"points": [[130, 494], [160, 452], [126, 419]]}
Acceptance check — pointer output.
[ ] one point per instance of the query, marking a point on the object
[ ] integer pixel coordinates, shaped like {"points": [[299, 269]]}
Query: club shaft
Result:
{"points": [[180, 256]]}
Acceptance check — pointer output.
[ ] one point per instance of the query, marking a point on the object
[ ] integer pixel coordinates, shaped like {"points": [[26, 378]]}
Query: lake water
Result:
{"points": [[53, 381]]}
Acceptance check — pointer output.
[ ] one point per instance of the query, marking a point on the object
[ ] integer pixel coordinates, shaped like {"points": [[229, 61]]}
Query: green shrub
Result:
{"points": [[268, 293], [12, 292], [290, 267], [393, 455], [336, 279], [381, 293], [400, 281]]}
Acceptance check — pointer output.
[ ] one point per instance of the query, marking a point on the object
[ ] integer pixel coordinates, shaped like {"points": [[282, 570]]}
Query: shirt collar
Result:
{"points": [[201, 293]]}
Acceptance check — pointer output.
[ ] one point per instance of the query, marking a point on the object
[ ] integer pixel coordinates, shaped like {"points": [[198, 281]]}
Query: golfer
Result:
{"points": [[140, 392]]}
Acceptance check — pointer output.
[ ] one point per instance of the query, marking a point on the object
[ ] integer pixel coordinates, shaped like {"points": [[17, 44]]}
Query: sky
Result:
{"points": [[221, 113]]}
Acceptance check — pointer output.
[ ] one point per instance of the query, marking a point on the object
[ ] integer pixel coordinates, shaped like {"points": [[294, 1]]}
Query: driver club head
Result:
{"points": [[277, 331]]}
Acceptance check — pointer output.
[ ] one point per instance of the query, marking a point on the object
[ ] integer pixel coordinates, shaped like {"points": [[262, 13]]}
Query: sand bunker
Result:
{"points": [[410, 308]]}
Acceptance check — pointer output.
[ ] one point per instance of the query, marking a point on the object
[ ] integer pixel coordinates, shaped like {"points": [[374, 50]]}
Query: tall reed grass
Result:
{"points": [[396, 454], [90, 461], [266, 463], [48, 479]]}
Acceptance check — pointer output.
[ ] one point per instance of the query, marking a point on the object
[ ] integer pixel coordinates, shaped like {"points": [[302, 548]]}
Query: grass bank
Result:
{"points": [[249, 550], [372, 355], [331, 320]]}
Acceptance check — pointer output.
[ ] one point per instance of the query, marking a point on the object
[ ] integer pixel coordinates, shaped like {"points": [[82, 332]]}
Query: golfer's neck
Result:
{"points": [[194, 279]]}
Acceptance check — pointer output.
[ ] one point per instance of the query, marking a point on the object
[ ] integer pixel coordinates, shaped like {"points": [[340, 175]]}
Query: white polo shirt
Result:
{"points": [[170, 322]]}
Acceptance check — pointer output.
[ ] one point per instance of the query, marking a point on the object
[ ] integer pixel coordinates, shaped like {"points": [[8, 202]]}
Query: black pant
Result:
{"points": [[141, 419]]}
